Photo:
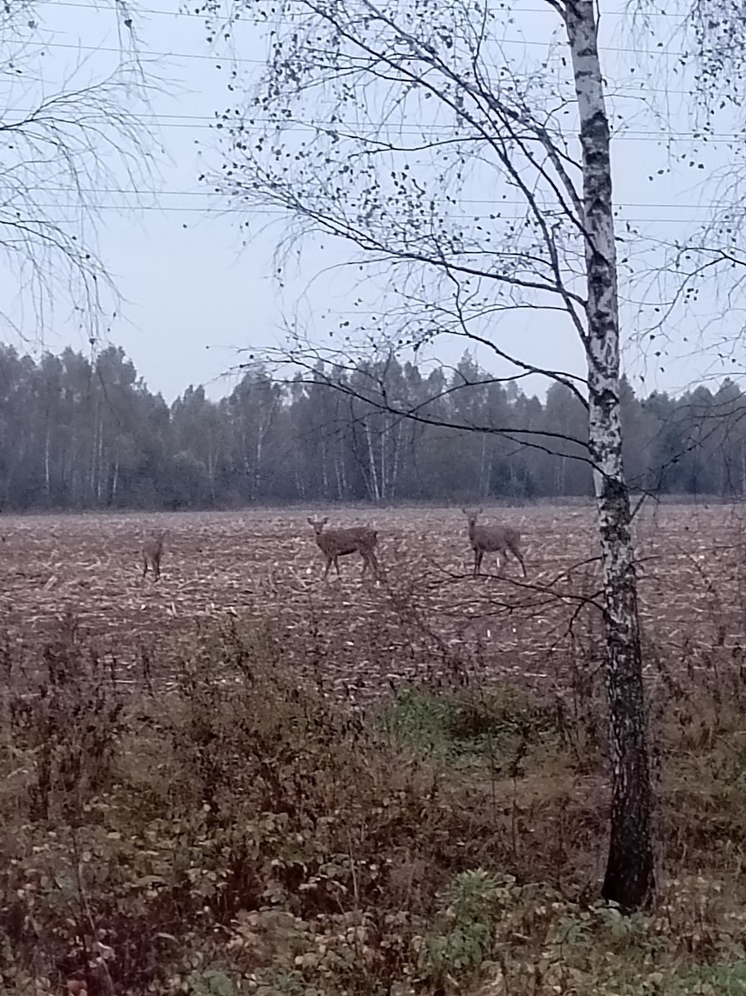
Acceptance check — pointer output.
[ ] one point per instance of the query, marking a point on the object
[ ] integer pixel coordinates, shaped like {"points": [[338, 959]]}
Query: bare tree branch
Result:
{"points": [[84, 136]]}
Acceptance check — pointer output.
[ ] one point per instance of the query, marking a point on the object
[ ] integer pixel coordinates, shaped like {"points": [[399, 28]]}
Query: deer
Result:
{"points": [[152, 551], [493, 539], [335, 543]]}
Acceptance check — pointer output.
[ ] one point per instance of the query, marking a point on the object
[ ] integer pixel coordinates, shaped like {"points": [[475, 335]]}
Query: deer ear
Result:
{"points": [[480, 511], [325, 520], [464, 510], [310, 521]]}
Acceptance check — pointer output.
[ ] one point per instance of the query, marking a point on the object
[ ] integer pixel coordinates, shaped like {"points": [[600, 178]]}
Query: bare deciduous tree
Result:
{"points": [[63, 144], [375, 123]]}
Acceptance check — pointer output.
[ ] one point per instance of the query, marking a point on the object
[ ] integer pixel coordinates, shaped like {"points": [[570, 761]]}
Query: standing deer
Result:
{"points": [[493, 539], [335, 543], [152, 551]]}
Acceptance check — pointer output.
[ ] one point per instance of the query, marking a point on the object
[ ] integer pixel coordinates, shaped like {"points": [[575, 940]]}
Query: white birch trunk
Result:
{"points": [[94, 450], [483, 485], [299, 480], [324, 468], [258, 457], [100, 466], [394, 486], [247, 469], [340, 470], [47, 461], [212, 463], [374, 489], [629, 876]]}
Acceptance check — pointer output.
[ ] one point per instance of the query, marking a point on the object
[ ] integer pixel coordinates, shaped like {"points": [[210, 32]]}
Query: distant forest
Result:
{"points": [[76, 433]]}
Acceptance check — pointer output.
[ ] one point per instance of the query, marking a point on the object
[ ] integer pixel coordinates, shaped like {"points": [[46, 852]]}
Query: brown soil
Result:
{"points": [[426, 615]]}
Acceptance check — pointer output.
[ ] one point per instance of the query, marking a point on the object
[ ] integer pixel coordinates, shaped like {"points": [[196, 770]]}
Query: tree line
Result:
{"points": [[80, 432]]}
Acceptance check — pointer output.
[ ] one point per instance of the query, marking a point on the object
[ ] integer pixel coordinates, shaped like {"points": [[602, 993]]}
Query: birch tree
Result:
{"points": [[629, 873], [69, 131], [708, 261], [372, 124]]}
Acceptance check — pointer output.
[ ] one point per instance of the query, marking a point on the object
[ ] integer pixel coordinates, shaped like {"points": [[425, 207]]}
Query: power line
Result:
{"points": [[176, 209], [199, 14], [262, 62], [222, 123], [220, 118], [95, 191], [219, 61]]}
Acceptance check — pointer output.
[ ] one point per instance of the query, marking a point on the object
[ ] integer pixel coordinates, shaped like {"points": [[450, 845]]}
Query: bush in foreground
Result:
{"points": [[239, 833]]}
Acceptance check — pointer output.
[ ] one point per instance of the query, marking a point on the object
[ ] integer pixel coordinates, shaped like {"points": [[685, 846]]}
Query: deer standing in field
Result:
{"points": [[335, 543], [152, 551], [493, 539]]}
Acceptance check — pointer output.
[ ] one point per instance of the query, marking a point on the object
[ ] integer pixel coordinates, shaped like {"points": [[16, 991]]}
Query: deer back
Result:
{"points": [[341, 541], [492, 538]]}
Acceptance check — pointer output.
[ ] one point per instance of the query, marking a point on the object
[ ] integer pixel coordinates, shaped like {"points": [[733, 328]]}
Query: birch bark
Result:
{"points": [[629, 878]]}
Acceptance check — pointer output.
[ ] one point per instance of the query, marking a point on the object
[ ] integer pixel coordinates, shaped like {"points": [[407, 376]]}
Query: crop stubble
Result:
{"points": [[427, 615]]}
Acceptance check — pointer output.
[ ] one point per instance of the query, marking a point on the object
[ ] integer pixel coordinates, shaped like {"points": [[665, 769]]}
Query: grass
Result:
{"points": [[499, 725], [243, 833]]}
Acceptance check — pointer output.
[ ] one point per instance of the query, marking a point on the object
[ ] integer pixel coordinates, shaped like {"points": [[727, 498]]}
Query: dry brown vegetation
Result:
{"points": [[182, 812]]}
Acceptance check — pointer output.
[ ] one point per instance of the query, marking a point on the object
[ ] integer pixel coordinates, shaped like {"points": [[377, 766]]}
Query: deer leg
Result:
{"points": [[336, 566], [328, 565], [373, 563], [519, 557], [478, 554]]}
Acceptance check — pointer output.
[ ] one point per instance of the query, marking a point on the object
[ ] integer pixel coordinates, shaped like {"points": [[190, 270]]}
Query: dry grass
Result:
{"points": [[246, 833]]}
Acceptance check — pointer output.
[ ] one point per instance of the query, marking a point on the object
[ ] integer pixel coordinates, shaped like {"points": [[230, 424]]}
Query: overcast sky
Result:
{"points": [[193, 295]]}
